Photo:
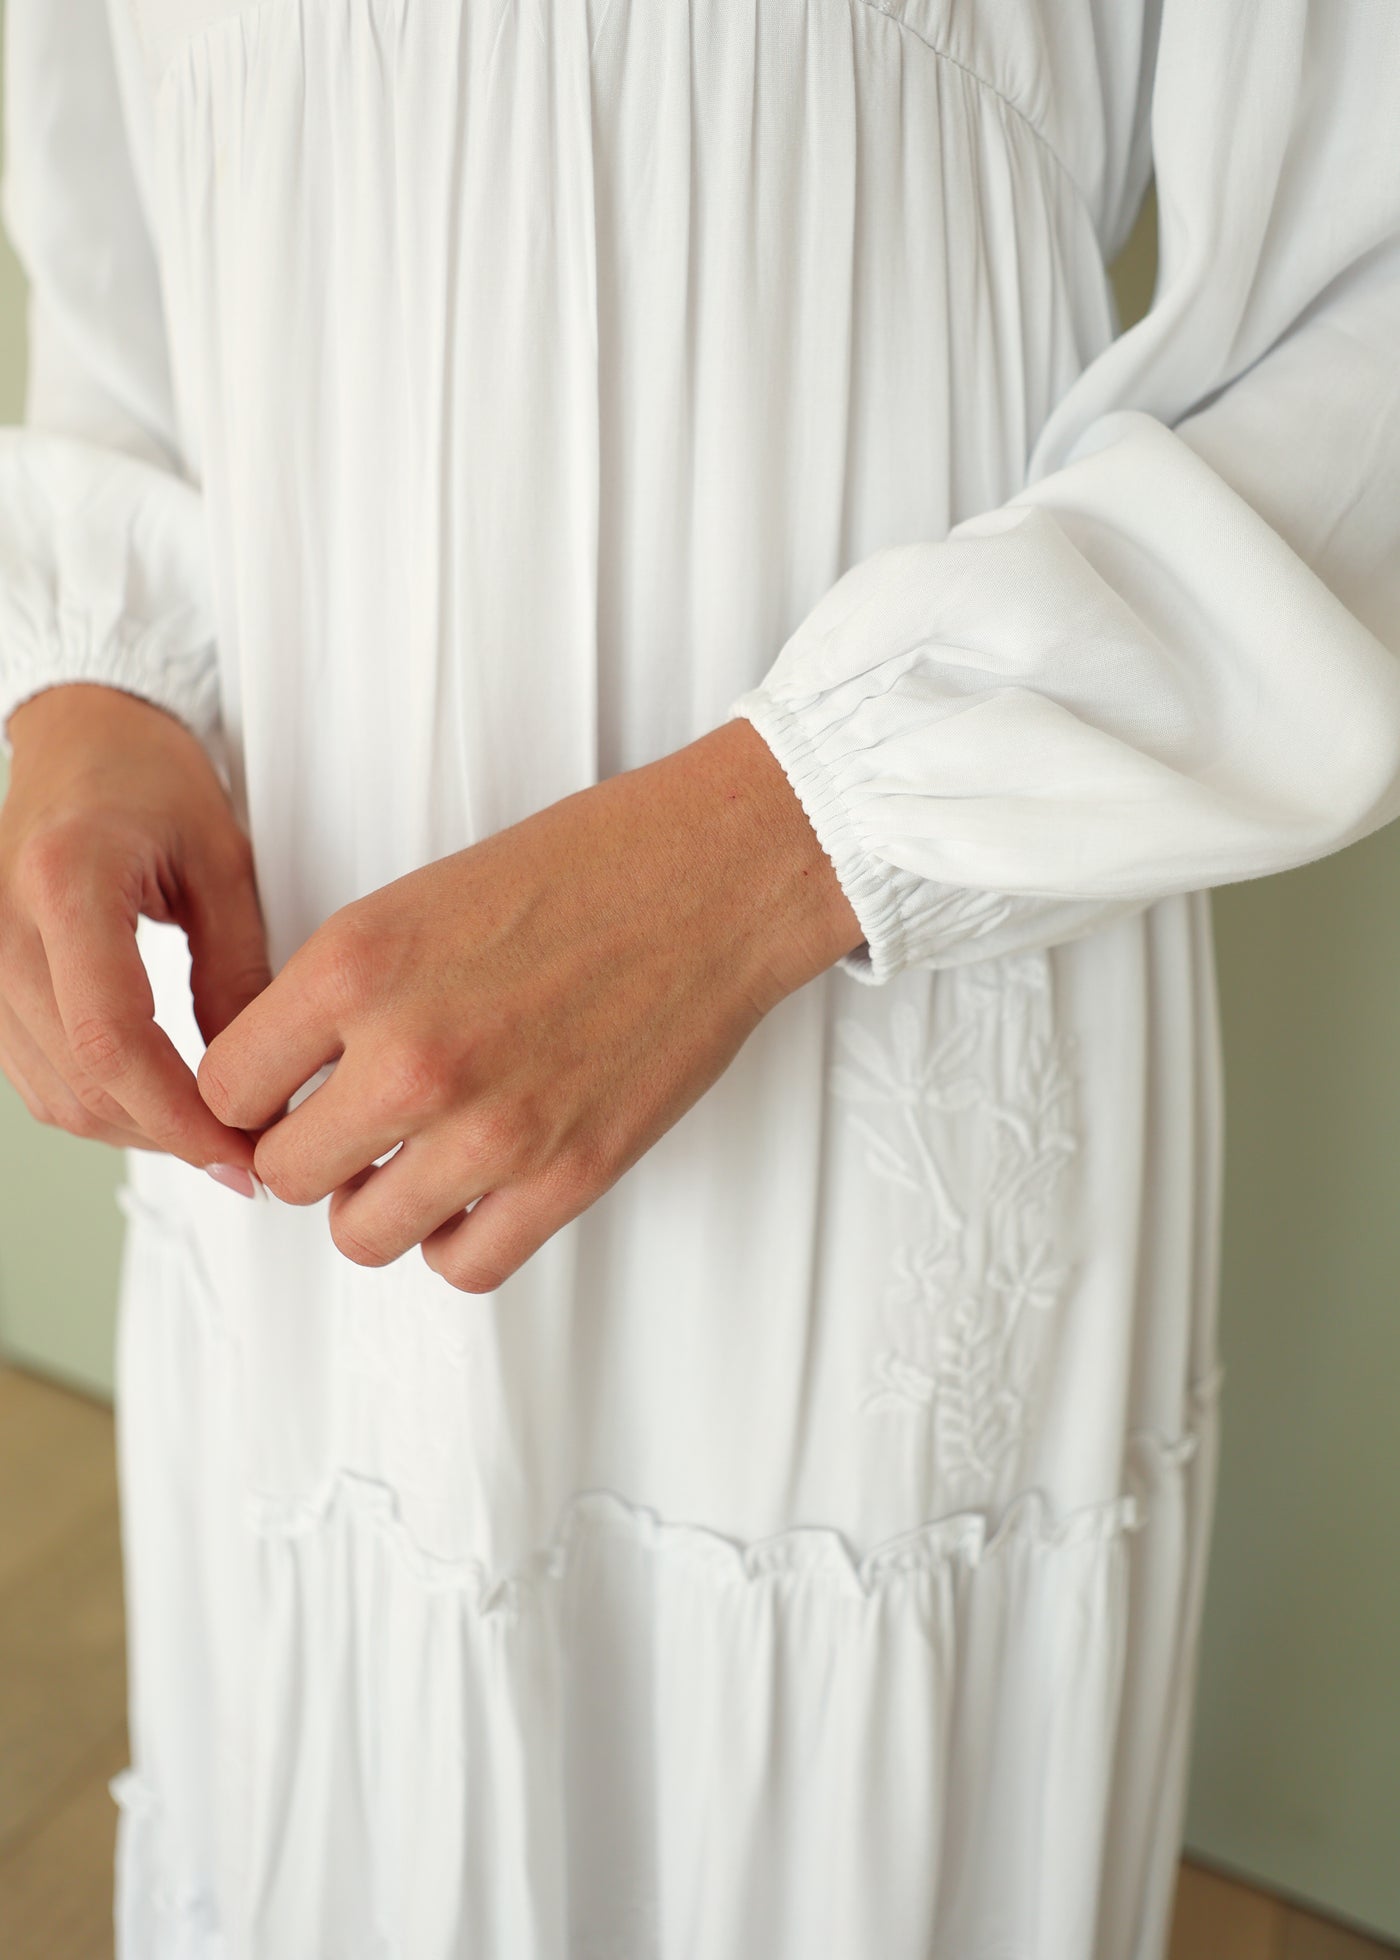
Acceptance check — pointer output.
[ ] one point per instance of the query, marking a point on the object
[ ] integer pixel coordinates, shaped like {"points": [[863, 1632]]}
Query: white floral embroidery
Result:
{"points": [[966, 1105]]}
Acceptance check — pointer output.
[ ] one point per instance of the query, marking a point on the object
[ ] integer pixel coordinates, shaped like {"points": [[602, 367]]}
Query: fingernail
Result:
{"points": [[235, 1178]]}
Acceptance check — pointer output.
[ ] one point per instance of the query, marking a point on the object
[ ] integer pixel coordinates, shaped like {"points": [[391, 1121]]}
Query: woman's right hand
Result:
{"points": [[114, 810]]}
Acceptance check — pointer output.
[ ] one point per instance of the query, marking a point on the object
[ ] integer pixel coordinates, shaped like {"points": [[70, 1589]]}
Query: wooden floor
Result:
{"points": [[62, 1732]]}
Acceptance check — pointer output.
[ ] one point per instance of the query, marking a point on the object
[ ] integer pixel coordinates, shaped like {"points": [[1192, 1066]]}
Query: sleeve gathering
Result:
{"points": [[103, 554], [1172, 659]]}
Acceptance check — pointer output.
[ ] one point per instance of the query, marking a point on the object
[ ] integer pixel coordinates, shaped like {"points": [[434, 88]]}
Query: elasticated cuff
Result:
{"points": [[185, 685], [907, 920]]}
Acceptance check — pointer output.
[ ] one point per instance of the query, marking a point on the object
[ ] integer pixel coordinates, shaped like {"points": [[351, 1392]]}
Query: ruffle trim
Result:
{"points": [[993, 1625], [818, 1553]]}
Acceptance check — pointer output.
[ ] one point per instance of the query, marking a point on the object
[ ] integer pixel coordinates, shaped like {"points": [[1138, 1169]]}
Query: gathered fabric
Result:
{"points": [[442, 405]]}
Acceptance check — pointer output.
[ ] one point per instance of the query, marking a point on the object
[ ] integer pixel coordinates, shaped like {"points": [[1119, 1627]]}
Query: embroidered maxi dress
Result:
{"points": [[443, 404]]}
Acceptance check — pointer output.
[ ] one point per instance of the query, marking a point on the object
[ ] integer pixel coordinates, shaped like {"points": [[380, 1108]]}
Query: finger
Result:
{"points": [[340, 1129], [103, 995], [479, 1253], [387, 1210], [47, 1097], [252, 1069], [228, 943], [36, 1039]]}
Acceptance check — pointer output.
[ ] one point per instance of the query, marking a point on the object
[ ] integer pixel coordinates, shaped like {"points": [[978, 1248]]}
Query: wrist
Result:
{"points": [[66, 726], [62, 707], [798, 919]]}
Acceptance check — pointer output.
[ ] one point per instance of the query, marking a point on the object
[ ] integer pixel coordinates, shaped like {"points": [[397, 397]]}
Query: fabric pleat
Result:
{"points": [[646, 1736], [802, 1553]]}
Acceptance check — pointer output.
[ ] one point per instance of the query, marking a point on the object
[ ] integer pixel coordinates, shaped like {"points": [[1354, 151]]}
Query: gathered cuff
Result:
{"points": [[104, 577], [870, 887], [135, 658], [907, 920]]}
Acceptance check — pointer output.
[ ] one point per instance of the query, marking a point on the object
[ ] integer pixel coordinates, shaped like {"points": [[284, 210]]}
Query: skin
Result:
{"points": [[114, 809], [518, 1023]]}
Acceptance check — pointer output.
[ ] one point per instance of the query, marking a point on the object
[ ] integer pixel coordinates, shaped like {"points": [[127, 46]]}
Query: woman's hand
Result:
{"points": [[528, 1016], [114, 809]]}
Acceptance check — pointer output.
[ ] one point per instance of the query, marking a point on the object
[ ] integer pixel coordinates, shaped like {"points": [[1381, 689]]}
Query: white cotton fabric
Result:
{"points": [[443, 404]]}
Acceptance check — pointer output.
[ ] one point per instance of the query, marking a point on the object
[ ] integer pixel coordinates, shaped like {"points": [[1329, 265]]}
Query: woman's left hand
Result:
{"points": [[526, 1017]]}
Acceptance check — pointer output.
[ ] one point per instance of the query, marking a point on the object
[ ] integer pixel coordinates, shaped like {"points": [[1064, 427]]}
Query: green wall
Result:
{"points": [[1296, 1773], [59, 1226], [1296, 1778], [1296, 1761]]}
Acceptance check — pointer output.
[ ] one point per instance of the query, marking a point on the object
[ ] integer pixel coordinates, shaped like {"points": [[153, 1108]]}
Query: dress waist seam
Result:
{"points": [[893, 11]]}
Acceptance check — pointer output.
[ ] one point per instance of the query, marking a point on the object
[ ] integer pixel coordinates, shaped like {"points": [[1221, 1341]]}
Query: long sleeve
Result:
{"points": [[1172, 659], [103, 561]]}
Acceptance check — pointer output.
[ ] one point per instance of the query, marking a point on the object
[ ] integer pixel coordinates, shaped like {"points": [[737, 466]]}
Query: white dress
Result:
{"points": [[442, 404]]}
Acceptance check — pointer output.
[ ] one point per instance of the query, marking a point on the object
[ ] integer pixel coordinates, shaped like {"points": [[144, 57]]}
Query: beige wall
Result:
{"points": [[1296, 1775]]}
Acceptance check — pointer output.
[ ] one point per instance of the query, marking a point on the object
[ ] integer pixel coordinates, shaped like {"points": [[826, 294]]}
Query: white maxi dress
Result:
{"points": [[443, 404]]}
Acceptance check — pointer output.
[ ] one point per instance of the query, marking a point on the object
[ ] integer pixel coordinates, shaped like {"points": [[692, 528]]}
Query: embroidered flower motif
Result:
{"points": [[920, 1080], [1036, 1282], [913, 1073], [966, 1106], [979, 1414]]}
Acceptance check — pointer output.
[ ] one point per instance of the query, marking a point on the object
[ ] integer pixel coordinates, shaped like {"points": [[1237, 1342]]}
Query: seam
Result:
{"points": [[208, 31], [814, 1554], [887, 8], [957, 1541], [598, 30], [183, 45], [1032, 128], [238, 13]]}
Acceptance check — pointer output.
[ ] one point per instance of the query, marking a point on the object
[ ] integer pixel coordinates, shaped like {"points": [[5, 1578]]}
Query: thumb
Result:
{"points": [[228, 942]]}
